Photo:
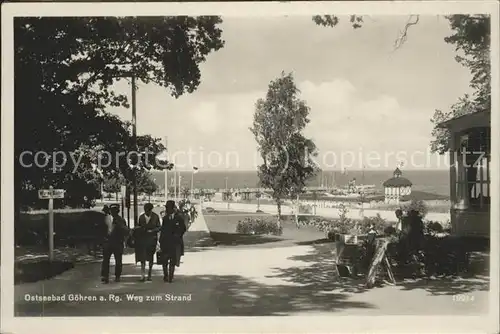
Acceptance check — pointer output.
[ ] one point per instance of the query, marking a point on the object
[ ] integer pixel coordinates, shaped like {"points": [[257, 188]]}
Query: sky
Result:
{"points": [[370, 105]]}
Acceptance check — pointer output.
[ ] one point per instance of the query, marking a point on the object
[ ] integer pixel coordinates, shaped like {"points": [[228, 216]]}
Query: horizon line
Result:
{"points": [[324, 170]]}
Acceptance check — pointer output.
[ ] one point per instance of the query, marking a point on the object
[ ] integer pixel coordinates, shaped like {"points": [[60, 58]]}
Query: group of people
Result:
{"points": [[151, 235]]}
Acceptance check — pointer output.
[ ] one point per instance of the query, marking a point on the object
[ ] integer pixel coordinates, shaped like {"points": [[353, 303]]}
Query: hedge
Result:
{"points": [[348, 226], [258, 226], [32, 227]]}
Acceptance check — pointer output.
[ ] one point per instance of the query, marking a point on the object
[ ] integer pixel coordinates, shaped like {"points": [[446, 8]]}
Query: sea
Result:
{"points": [[429, 181]]}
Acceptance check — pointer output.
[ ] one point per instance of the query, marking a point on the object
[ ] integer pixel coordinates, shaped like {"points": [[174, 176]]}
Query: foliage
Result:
{"points": [[346, 225], [305, 209], [416, 205], [279, 120], [258, 226], [343, 211], [332, 20], [376, 223], [146, 183], [433, 228], [112, 184], [471, 38], [65, 69], [31, 229]]}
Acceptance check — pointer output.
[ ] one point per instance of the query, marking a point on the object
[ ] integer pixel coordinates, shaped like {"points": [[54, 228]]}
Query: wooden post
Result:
{"points": [[51, 227], [378, 258]]}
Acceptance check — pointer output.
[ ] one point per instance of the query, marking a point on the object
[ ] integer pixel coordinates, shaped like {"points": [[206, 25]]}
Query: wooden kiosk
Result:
{"points": [[470, 161]]}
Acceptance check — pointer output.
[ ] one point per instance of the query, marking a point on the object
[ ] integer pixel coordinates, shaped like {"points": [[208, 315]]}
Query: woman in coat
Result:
{"points": [[145, 239], [171, 233]]}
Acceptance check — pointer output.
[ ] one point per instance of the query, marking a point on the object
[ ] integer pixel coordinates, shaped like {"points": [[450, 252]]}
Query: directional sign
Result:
{"points": [[51, 193]]}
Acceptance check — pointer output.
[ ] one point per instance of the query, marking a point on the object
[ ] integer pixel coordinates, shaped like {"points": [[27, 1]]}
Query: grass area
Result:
{"points": [[223, 231]]}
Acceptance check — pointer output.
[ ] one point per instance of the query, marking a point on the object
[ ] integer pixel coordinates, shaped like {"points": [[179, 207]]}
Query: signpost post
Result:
{"points": [[51, 194]]}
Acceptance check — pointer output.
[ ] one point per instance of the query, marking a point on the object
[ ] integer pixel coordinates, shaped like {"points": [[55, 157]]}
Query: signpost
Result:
{"points": [[51, 194]]}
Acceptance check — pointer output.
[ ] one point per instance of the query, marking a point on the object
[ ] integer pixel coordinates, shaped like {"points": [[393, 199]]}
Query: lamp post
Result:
{"points": [[131, 75], [227, 194], [134, 143]]}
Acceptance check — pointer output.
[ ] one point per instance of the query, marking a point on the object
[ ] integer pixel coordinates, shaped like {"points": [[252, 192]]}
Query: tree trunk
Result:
{"points": [[278, 203], [258, 203]]}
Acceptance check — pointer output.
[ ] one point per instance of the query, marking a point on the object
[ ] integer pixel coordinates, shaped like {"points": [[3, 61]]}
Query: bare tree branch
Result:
{"points": [[403, 34]]}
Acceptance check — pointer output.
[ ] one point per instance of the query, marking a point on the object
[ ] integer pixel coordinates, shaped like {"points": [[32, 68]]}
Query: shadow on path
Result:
{"points": [[210, 295], [317, 270], [236, 239], [476, 280]]}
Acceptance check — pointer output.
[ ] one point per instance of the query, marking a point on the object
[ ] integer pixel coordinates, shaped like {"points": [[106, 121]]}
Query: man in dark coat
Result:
{"points": [[114, 244], [145, 239], [171, 233]]}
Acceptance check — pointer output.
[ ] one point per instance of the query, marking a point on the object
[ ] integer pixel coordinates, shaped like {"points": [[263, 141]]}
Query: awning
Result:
{"points": [[473, 120]]}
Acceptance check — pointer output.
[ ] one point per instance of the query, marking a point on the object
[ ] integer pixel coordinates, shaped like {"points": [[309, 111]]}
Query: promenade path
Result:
{"points": [[323, 212], [225, 281]]}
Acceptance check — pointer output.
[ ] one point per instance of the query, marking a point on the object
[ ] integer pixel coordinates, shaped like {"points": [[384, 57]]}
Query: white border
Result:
{"points": [[486, 323]]}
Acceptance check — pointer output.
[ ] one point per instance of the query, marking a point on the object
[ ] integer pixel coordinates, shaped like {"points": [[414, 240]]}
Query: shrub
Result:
{"points": [[390, 230], [304, 219], [305, 208], [378, 223], [418, 206], [258, 226], [32, 228], [432, 227], [343, 211]]}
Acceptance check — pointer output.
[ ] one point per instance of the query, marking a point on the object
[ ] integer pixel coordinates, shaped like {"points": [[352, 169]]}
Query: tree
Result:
{"points": [[279, 120], [65, 69], [471, 37], [113, 184], [357, 22], [146, 184]]}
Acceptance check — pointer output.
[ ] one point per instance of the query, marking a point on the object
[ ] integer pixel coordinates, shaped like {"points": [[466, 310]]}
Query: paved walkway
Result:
{"points": [[251, 281], [323, 212]]}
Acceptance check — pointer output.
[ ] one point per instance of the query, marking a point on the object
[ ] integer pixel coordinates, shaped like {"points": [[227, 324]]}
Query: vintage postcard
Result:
{"points": [[302, 167]]}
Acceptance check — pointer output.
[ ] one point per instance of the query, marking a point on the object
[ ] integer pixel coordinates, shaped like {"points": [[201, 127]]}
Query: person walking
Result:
{"points": [[145, 239], [114, 244], [171, 233]]}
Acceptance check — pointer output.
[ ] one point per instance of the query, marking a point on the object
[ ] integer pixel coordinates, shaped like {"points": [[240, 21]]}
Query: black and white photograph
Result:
{"points": [[228, 161]]}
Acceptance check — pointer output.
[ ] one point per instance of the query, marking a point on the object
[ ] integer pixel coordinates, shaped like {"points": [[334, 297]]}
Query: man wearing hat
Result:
{"points": [[171, 233], [114, 244]]}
